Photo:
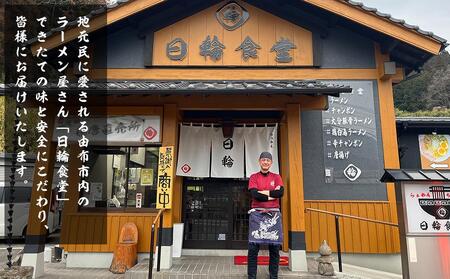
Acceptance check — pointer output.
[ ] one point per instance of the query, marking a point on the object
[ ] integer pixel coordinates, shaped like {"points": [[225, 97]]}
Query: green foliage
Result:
{"points": [[7, 114], [431, 88], [423, 113], [409, 95]]}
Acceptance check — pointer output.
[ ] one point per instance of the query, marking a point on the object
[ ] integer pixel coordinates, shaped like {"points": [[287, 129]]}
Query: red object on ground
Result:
{"points": [[262, 260]]}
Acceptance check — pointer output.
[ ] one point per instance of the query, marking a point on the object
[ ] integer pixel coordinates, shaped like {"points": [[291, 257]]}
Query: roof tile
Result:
{"points": [[112, 4], [397, 21]]}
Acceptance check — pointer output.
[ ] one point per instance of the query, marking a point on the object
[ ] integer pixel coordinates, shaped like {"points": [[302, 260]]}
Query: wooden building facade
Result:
{"points": [[256, 62]]}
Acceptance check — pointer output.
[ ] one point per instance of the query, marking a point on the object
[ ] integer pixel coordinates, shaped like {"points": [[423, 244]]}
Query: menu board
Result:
{"points": [[351, 149]]}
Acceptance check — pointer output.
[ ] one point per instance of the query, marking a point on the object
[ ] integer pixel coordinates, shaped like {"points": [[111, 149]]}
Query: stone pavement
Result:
{"points": [[362, 272], [59, 271], [194, 267], [207, 267], [4, 253]]}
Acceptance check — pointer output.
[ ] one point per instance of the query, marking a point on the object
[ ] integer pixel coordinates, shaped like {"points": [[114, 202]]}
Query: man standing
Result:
{"points": [[265, 227]]}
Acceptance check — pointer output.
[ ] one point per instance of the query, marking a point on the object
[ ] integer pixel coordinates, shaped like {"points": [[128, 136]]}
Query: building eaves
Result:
{"points": [[397, 21], [399, 175], [309, 87], [109, 5], [423, 122], [113, 4], [423, 119]]}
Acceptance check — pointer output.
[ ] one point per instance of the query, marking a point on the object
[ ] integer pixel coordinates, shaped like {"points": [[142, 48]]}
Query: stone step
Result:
{"points": [[211, 267]]}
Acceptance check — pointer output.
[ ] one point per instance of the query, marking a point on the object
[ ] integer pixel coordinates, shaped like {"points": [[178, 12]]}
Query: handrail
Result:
{"points": [[159, 217], [338, 234], [352, 216]]}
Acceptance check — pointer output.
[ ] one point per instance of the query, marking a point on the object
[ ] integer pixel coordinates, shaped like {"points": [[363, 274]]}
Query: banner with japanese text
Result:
{"points": [[165, 177], [43, 86], [194, 151], [227, 154], [202, 149], [257, 140]]}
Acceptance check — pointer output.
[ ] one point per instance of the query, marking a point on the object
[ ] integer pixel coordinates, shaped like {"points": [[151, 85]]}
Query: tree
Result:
{"points": [[438, 91], [410, 94], [429, 89], [7, 115]]}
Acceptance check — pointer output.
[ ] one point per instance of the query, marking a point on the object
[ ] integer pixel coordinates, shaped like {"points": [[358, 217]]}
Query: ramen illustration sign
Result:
{"points": [[434, 151], [428, 208]]}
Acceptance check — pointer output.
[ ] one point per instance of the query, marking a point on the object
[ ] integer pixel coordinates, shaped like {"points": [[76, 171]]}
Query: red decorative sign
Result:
{"points": [[185, 168], [150, 133]]}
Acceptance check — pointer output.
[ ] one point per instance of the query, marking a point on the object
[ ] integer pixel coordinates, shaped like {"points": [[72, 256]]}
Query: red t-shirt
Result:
{"points": [[265, 182]]}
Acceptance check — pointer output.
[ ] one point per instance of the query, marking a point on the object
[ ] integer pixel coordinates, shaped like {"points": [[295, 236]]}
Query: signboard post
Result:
{"points": [[164, 190], [423, 198]]}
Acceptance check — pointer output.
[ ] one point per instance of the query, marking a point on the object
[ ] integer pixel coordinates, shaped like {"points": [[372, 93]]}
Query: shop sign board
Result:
{"points": [[113, 130], [427, 208], [165, 177]]}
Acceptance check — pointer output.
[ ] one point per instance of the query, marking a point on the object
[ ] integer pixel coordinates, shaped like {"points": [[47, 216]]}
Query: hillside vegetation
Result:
{"points": [[428, 93]]}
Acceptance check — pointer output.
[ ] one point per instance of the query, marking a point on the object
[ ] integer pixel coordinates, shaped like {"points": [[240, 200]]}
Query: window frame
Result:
{"points": [[124, 209]]}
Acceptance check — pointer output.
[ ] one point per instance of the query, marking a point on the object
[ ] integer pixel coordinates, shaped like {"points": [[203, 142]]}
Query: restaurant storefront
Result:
{"points": [[317, 75]]}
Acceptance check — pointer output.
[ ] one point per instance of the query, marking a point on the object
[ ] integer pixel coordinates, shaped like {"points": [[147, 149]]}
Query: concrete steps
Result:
{"points": [[195, 267]]}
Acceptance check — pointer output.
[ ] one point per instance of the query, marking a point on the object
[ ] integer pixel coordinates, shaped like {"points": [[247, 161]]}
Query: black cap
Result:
{"points": [[265, 155]]}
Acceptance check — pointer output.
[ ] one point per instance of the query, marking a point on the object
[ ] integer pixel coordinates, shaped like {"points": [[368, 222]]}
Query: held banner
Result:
{"points": [[434, 151], [265, 227], [165, 177]]}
